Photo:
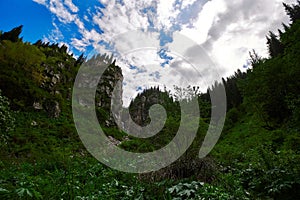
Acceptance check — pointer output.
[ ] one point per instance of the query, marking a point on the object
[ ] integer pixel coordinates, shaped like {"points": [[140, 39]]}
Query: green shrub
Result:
{"points": [[200, 190], [7, 120], [271, 174], [6, 115], [232, 117]]}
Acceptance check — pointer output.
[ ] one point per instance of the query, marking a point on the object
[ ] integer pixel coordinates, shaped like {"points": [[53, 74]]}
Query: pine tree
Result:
{"points": [[12, 35], [274, 45], [81, 59], [293, 11], [255, 59], [285, 27]]}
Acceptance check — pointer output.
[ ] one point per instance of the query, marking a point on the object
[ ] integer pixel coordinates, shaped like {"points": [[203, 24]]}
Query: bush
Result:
{"points": [[271, 174], [6, 115], [200, 190], [232, 117], [7, 119]]}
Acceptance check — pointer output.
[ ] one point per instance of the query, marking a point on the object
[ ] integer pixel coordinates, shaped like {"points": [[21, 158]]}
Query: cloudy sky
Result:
{"points": [[189, 42]]}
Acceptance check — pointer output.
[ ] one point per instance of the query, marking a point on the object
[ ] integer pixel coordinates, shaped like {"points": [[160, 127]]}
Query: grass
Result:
{"points": [[44, 159]]}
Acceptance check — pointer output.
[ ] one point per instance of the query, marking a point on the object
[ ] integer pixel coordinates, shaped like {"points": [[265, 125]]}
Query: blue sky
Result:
{"points": [[37, 20], [226, 29], [40, 23]]}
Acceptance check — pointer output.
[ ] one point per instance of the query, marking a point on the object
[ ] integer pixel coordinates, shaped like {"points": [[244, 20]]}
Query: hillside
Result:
{"points": [[42, 156]]}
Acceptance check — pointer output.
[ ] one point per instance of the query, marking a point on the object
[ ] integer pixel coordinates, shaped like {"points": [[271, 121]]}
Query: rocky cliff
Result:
{"points": [[109, 92]]}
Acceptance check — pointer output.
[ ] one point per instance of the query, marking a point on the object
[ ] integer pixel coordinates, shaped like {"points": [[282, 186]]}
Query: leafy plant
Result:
{"points": [[7, 120]]}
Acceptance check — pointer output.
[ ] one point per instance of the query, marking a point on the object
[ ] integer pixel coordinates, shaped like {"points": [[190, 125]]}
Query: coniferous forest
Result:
{"points": [[257, 156]]}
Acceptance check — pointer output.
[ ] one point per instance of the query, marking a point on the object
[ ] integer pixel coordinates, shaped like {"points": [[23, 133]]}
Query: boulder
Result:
{"points": [[53, 109]]}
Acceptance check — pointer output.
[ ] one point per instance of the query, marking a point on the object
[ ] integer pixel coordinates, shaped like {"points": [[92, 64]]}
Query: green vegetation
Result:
{"points": [[257, 156]]}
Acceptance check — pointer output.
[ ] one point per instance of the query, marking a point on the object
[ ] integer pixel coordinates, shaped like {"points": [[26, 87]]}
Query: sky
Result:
{"points": [[226, 30]]}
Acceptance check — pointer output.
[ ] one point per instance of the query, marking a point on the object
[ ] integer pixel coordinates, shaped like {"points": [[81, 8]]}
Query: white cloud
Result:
{"points": [[86, 18], [206, 17], [79, 44], [42, 2], [61, 12], [227, 30], [241, 27], [118, 19], [165, 13], [105, 2], [186, 3], [71, 6], [79, 24], [55, 36]]}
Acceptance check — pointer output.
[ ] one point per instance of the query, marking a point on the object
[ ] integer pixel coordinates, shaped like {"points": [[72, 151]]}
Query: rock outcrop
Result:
{"points": [[139, 107], [108, 98], [109, 93]]}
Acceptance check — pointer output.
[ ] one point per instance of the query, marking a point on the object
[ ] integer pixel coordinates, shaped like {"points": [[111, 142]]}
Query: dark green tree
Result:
{"points": [[275, 46], [272, 85], [293, 11], [12, 35]]}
